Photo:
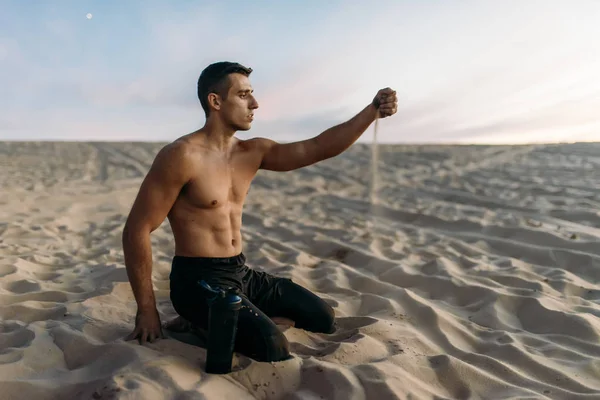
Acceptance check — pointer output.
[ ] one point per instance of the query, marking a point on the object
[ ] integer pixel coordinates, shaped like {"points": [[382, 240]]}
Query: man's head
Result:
{"points": [[225, 92]]}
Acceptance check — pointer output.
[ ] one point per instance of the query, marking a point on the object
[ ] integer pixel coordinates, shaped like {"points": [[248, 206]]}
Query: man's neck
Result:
{"points": [[217, 136]]}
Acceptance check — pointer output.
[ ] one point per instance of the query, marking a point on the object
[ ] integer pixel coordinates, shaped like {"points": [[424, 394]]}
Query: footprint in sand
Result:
{"points": [[319, 351], [30, 311], [10, 355], [347, 331], [7, 270], [13, 335], [340, 254], [22, 286], [347, 323]]}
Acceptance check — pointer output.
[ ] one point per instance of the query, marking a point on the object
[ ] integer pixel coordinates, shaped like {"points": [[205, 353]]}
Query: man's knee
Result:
{"points": [[322, 316], [314, 313], [277, 348], [325, 322]]}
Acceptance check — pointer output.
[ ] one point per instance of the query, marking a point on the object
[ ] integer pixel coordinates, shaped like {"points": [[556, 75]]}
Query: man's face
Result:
{"points": [[238, 109]]}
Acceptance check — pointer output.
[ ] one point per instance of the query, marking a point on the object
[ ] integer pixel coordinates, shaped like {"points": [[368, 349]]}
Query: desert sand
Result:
{"points": [[475, 276]]}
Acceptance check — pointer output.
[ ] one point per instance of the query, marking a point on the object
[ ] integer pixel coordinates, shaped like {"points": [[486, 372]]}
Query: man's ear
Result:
{"points": [[214, 101]]}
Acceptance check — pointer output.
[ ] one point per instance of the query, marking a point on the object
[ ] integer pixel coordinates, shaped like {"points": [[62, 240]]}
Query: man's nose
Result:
{"points": [[254, 104]]}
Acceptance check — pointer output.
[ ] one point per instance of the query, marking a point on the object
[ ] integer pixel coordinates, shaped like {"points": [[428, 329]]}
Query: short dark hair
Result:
{"points": [[214, 79]]}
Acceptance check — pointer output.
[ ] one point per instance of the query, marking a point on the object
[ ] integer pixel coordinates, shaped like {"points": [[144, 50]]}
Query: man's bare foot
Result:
{"points": [[178, 324], [283, 321]]}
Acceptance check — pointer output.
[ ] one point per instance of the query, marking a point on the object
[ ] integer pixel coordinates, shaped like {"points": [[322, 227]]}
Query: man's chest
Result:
{"points": [[218, 184]]}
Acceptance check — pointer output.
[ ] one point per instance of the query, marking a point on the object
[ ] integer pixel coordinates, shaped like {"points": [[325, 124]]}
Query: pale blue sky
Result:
{"points": [[464, 71]]}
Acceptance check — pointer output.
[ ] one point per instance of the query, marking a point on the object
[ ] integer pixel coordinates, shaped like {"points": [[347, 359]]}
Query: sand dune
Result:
{"points": [[475, 276]]}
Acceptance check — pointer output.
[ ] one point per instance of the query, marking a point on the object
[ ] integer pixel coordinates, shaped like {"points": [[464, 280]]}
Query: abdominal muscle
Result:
{"points": [[212, 232]]}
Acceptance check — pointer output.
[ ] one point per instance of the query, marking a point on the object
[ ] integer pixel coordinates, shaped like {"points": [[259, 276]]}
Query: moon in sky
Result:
{"points": [[88, 16]]}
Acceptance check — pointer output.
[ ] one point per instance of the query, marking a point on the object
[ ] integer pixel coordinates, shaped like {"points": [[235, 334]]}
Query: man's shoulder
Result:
{"points": [[175, 152], [260, 144]]}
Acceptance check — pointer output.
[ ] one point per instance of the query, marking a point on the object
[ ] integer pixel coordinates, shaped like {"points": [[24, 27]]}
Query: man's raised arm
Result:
{"points": [[330, 143], [159, 190]]}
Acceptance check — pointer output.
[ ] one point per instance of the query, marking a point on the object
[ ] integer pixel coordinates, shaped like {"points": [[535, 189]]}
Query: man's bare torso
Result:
{"points": [[206, 218]]}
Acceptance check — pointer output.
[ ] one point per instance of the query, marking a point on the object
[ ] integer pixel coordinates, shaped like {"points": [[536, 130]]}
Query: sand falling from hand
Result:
{"points": [[373, 200], [374, 162]]}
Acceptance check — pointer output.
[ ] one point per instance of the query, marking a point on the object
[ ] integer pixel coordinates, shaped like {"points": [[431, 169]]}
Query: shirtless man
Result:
{"points": [[199, 182]]}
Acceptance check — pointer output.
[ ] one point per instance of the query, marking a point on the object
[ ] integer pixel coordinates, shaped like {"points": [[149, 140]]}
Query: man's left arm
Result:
{"points": [[330, 143]]}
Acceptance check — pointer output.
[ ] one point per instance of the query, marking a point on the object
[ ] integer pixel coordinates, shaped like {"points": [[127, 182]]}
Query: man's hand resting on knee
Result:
{"points": [[147, 327]]}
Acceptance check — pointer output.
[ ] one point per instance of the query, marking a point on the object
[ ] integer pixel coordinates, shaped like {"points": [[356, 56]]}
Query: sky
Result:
{"points": [[514, 71]]}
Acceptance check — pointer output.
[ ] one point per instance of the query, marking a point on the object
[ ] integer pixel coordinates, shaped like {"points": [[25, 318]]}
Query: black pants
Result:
{"points": [[266, 295]]}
